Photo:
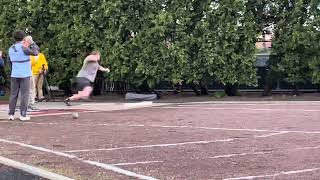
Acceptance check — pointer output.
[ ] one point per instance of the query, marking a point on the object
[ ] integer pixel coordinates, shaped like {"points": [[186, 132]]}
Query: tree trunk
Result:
{"points": [[177, 89], [194, 88], [144, 88], [231, 89], [295, 91], [204, 90], [267, 89]]}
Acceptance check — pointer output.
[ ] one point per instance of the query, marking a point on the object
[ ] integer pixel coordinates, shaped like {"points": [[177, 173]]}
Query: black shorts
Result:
{"points": [[83, 82]]}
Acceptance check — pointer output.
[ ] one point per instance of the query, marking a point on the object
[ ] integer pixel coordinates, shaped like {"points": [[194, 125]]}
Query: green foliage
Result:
{"points": [[145, 42], [13, 15], [230, 46], [296, 42]]}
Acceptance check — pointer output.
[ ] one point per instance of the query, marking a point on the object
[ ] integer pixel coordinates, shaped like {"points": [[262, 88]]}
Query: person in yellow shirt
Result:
{"points": [[39, 68]]}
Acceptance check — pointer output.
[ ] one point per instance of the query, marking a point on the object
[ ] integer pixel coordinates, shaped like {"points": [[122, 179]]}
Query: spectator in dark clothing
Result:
{"points": [[2, 75]]}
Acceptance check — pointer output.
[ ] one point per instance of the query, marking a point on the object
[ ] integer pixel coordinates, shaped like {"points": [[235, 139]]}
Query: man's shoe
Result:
{"points": [[67, 102], [11, 117], [24, 118], [32, 109], [42, 100]]}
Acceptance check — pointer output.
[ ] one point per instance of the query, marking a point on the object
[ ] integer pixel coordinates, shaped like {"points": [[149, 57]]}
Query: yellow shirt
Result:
{"points": [[38, 63]]}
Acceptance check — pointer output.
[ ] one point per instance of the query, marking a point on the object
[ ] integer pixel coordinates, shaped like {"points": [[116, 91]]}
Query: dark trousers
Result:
{"points": [[21, 85]]}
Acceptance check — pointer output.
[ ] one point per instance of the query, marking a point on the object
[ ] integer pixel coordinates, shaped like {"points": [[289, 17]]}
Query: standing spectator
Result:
{"points": [[19, 57], [39, 69], [2, 75], [31, 101], [32, 92]]}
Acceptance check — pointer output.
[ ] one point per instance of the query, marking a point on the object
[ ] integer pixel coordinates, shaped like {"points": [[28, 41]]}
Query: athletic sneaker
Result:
{"points": [[32, 109], [41, 100], [24, 118], [67, 102], [11, 117]]}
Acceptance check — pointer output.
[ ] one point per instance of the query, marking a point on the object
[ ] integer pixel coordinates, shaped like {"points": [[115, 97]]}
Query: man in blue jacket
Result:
{"points": [[20, 74]]}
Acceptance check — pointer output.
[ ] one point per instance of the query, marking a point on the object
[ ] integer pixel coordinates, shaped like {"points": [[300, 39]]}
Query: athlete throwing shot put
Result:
{"points": [[86, 77]]}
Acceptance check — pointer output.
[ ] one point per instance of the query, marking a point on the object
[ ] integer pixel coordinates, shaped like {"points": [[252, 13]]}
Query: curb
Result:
{"points": [[32, 170]]}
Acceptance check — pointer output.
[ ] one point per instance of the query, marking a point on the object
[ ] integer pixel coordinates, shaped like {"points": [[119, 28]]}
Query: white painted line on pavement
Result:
{"points": [[135, 163], [240, 154], [133, 104], [100, 104], [243, 104], [273, 134], [98, 164], [119, 170], [251, 109], [235, 129], [144, 103], [188, 127], [32, 170], [255, 102], [150, 146], [263, 152], [307, 148], [62, 113], [274, 175]]}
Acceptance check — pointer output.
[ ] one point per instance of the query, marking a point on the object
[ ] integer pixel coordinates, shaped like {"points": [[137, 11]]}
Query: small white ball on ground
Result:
{"points": [[75, 115]]}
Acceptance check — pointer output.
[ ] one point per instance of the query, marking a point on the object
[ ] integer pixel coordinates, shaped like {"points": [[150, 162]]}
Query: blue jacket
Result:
{"points": [[20, 59], [1, 62]]}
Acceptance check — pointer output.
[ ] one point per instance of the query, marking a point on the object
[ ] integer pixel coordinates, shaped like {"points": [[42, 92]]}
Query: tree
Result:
{"points": [[146, 42], [231, 44], [75, 33], [137, 43], [295, 39], [314, 38], [187, 42], [13, 16]]}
